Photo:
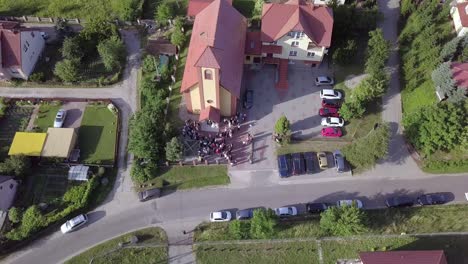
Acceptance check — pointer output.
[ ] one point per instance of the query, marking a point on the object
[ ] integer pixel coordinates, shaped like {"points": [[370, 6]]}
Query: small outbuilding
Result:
{"points": [[59, 143], [78, 173], [28, 144]]}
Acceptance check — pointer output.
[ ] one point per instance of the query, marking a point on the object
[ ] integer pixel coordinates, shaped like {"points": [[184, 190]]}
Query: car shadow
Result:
{"points": [[95, 216]]}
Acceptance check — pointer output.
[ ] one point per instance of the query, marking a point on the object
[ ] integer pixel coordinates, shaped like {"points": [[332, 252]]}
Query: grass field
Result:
{"points": [[97, 135], [423, 95], [46, 116], [187, 177], [145, 236], [279, 253]]}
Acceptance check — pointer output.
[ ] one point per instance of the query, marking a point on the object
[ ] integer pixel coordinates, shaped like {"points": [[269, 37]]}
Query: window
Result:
{"points": [[310, 54], [27, 43], [208, 75], [295, 44], [25, 48], [293, 53], [32, 34], [247, 58], [296, 34]]}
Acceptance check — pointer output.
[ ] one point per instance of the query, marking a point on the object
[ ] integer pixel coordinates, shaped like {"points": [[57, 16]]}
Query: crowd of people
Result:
{"points": [[216, 144]]}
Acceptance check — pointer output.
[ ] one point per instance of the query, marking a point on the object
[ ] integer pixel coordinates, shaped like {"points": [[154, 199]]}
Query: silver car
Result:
{"points": [[74, 223], [60, 118], [324, 80]]}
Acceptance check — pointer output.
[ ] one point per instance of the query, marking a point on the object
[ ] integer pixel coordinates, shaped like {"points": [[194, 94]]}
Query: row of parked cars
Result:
{"points": [[304, 163], [317, 207], [331, 103]]}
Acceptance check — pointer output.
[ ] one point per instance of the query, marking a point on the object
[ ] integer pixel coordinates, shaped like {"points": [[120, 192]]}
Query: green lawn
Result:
{"points": [[279, 253], [423, 95], [145, 236], [97, 135], [187, 177], [46, 116], [383, 221], [316, 145]]}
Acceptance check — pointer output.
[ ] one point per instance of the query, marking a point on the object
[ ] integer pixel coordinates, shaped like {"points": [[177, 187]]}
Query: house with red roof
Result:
{"points": [[459, 13], [212, 79], [403, 257], [20, 49], [196, 6]]}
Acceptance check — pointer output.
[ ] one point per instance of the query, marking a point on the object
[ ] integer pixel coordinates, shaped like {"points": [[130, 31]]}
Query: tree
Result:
{"points": [[146, 134], [464, 55], [346, 54], [17, 165], [143, 171], [407, 7], [164, 12], [442, 78], [449, 49], [352, 109], [179, 23], [178, 37], [112, 52], [62, 28], [378, 50], [174, 150], [239, 229], [364, 152], [126, 9], [283, 128], [257, 12], [68, 70], [372, 87], [31, 221], [263, 224], [99, 27], [343, 221], [15, 214], [71, 49]]}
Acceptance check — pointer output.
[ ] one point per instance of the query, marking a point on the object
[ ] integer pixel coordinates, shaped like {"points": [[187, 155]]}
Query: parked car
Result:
{"points": [[432, 198], [332, 132], [324, 80], [221, 216], [74, 223], [330, 103], [286, 211], [326, 112], [148, 194], [358, 203], [284, 166], [316, 208], [339, 161], [247, 213], [322, 160], [248, 99], [332, 121], [309, 162], [330, 94], [298, 166], [399, 201], [60, 118]]}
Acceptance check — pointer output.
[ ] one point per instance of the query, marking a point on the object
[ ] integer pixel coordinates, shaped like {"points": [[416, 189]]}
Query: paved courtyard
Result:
{"points": [[300, 103]]}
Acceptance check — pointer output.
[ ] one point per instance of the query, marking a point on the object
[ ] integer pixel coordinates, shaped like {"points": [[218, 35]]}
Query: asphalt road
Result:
{"points": [[183, 210]]}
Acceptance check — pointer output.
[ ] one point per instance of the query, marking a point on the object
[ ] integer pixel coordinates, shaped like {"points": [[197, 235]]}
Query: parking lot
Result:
{"points": [[300, 104]]}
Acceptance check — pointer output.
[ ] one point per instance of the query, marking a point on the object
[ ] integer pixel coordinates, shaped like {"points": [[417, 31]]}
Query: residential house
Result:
{"points": [[20, 50], [459, 13], [403, 257], [212, 79], [459, 75], [8, 188], [196, 6]]}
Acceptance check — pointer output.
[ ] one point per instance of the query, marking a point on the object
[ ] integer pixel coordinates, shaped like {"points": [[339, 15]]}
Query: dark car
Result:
{"points": [[309, 162], [248, 99], [329, 112], [339, 161], [298, 167], [284, 166], [399, 201], [432, 198], [330, 103], [316, 208], [148, 194], [244, 214]]}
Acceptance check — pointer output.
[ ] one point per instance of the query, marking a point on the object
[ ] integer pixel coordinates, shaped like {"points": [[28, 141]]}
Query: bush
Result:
{"points": [[378, 50], [263, 224], [16, 165], [15, 214], [352, 109], [364, 152], [174, 150], [101, 171], [143, 172], [150, 63], [178, 37], [164, 12], [31, 222], [75, 194], [283, 129], [71, 49], [68, 70], [36, 77], [112, 52], [343, 221], [239, 229]]}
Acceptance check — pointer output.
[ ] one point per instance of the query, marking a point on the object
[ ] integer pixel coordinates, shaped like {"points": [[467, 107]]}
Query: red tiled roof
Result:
{"points": [[463, 15], [253, 44], [315, 21], [218, 41], [10, 42], [196, 6], [210, 113], [275, 49], [404, 257], [460, 73]]}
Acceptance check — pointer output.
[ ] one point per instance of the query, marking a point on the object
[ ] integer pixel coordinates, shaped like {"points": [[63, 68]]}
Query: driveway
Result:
{"points": [[75, 111]]}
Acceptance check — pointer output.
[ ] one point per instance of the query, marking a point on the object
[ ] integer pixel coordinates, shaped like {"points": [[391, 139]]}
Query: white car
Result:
{"points": [[350, 203], [286, 211], [330, 94], [74, 223], [324, 80], [333, 121], [60, 118], [221, 216]]}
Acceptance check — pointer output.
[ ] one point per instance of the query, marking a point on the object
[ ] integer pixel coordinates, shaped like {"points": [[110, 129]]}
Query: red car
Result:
{"points": [[329, 103], [331, 132], [329, 112]]}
